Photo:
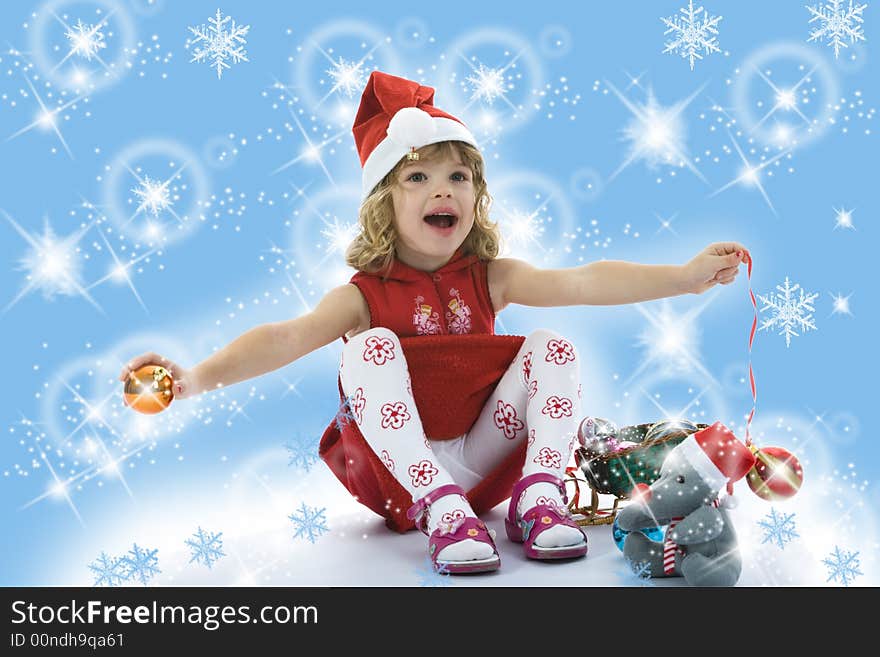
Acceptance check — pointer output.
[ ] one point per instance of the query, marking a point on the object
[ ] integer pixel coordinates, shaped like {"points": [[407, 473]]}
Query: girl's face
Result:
{"points": [[433, 210]]}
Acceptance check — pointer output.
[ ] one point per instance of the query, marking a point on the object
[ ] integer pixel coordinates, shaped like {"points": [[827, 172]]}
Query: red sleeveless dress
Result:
{"points": [[446, 326]]}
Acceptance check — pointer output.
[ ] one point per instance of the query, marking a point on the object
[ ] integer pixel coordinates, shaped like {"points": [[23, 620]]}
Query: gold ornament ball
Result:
{"points": [[776, 475], [149, 389]]}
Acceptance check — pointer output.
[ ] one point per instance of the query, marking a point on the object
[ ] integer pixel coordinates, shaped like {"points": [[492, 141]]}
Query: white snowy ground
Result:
{"points": [[252, 510]]}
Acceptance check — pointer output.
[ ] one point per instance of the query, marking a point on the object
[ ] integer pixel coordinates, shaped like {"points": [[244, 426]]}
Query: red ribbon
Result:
{"points": [[570, 470], [751, 340]]}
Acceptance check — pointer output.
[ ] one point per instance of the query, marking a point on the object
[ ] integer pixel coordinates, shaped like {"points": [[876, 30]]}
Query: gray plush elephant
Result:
{"points": [[701, 543]]}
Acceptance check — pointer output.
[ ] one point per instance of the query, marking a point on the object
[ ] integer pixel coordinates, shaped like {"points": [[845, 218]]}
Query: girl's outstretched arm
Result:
{"points": [[609, 282], [266, 347]]}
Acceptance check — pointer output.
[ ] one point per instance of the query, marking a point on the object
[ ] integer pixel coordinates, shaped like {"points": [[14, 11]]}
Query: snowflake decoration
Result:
{"points": [[206, 547], [140, 564], [310, 522], [641, 570], [154, 196], [303, 450], [348, 77], [108, 570], [691, 36], [430, 576], [344, 415], [85, 40], [220, 45], [778, 528], [487, 84], [789, 313], [837, 23], [842, 566]]}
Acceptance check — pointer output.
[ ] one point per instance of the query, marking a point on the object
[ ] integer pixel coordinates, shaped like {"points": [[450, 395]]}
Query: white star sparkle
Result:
{"points": [[784, 99], [46, 118], [119, 271], [750, 174], [311, 152], [841, 304], [666, 223], [844, 218], [671, 340], [656, 133], [51, 264]]}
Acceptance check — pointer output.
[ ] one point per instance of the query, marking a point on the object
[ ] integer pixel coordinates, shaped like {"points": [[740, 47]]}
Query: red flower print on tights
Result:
{"points": [[394, 415], [379, 350], [527, 366], [557, 407], [559, 352], [533, 388], [387, 460], [357, 403], [506, 420], [549, 458], [422, 473], [449, 522], [552, 503]]}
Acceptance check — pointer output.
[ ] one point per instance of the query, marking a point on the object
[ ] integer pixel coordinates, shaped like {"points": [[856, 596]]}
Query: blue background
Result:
{"points": [[816, 397]]}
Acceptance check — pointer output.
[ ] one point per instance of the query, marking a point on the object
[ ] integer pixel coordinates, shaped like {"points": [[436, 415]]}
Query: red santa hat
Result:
{"points": [[397, 116], [717, 455]]}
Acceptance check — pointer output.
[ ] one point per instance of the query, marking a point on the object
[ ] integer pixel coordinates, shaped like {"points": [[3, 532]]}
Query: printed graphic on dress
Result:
{"points": [[458, 317], [425, 321]]}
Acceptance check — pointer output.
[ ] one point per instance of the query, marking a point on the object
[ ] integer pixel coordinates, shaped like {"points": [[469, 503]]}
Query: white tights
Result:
{"points": [[537, 400]]}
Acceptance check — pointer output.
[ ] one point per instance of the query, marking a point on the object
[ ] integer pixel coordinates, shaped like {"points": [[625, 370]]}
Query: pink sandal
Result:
{"points": [[458, 530], [540, 518]]}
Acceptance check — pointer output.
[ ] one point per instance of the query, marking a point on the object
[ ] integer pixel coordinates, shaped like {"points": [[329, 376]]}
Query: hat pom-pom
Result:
{"points": [[728, 502], [411, 127]]}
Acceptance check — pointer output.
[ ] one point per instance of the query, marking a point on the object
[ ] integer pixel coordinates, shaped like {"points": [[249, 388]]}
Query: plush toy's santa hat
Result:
{"points": [[397, 116], [717, 455]]}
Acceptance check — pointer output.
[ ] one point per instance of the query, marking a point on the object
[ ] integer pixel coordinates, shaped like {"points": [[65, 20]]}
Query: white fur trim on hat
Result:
{"points": [[406, 131], [693, 453]]}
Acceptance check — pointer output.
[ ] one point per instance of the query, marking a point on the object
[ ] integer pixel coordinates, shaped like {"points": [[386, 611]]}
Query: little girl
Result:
{"points": [[446, 419]]}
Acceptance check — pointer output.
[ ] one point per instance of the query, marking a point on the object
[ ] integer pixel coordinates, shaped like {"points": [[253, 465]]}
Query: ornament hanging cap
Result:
{"points": [[396, 117]]}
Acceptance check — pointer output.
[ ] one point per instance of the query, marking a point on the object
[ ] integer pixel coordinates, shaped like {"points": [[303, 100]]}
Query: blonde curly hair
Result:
{"points": [[373, 248]]}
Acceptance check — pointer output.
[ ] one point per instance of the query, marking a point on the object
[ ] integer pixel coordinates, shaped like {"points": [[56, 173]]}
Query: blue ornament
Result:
{"points": [[619, 535]]}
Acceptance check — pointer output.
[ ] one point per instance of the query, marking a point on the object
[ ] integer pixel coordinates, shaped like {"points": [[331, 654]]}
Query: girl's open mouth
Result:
{"points": [[441, 220]]}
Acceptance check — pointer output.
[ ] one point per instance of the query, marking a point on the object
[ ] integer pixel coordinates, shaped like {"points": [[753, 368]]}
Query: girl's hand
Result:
{"points": [[184, 380], [717, 263]]}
